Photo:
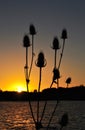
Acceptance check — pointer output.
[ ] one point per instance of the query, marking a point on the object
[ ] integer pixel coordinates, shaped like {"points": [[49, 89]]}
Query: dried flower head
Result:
{"points": [[41, 62], [64, 34], [26, 41], [32, 29], [55, 43], [64, 120], [68, 80], [56, 74]]}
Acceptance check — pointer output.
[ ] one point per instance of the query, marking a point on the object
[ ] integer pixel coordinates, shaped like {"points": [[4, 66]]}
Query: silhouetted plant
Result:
{"points": [[55, 47], [56, 75], [63, 36], [64, 121], [68, 81], [32, 32], [26, 43], [40, 62]]}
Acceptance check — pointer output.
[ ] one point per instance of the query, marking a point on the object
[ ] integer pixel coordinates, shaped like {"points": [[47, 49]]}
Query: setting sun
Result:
{"points": [[19, 89]]}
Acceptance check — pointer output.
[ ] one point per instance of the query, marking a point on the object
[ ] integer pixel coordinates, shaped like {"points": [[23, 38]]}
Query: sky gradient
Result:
{"points": [[49, 18]]}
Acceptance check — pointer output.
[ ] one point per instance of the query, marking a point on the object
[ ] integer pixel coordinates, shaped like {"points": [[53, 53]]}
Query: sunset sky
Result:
{"points": [[49, 18]]}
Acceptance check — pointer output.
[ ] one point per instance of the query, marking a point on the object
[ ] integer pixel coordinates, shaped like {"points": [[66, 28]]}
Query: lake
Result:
{"points": [[16, 115]]}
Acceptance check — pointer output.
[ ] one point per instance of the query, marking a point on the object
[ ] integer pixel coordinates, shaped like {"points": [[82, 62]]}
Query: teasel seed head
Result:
{"points": [[64, 120], [64, 34], [55, 43], [32, 29], [56, 74], [26, 41], [41, 61]]}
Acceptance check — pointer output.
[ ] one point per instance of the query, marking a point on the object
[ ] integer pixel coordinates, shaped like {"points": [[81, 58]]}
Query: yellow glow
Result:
{"points": [[19, 87]]}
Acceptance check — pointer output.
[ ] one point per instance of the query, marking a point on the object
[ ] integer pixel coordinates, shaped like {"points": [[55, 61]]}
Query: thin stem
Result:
{"points": [[57, 83], [52, 115], [67, 85], [26, 56], [50, 86], [55, 59], [32, 55], [45, 104], [44, 108], [39, 80], [30, 105], [27, 82], [61, 53], [38, 93]]}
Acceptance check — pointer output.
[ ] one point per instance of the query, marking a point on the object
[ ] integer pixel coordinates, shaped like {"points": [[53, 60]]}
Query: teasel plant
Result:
{"points": [[32, 32], [68, 81], [56, 75], [56, 72], [26, 44], [64, 37], [63, 121], [40, 62]]}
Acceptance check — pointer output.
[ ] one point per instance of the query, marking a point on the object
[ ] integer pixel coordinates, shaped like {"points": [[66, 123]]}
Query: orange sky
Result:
{"points": [[13, 77]]}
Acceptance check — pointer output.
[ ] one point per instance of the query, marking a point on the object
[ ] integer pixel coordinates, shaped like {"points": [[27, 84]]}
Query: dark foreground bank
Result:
{"points": [[74, 93]]}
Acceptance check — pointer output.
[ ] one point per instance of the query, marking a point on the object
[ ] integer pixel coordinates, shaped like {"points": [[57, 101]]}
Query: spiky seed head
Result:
{"points": [[41, 62], [64, 34], [56, 74], [55, 43], [64, 120], [32, 29], [68, 80], [26, 41]]}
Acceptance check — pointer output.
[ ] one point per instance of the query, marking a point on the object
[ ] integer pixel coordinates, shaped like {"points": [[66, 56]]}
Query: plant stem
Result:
{"points": [[26, 56], [38, 95], [32, 55], [61, 53], [30, 105], [52, 115], [27, 82], [57, 83], [55, 58]]}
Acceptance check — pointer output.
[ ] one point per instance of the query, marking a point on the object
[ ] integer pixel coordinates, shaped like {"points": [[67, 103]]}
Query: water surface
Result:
{"points": [[17, 116]]}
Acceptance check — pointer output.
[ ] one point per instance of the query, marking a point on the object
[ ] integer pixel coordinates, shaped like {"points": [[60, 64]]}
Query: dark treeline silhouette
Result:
{"points": [[74, 93]]}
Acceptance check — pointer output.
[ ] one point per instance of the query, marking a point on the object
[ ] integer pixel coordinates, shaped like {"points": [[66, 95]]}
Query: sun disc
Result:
{"points": [[19, 89]]}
